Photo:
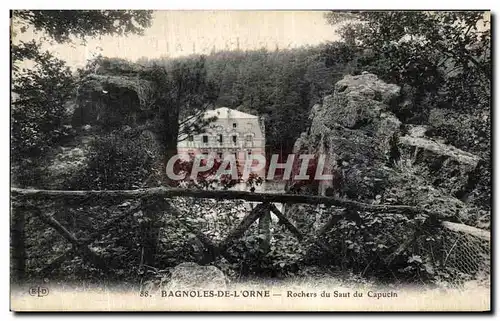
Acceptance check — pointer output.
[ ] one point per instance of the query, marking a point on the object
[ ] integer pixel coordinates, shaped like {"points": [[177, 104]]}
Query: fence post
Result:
{"points": [[17, 245], [153, 211], [265, 228]]}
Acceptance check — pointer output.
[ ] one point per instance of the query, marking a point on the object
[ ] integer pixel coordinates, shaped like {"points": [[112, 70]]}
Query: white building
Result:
{"points": [[233, 132]]}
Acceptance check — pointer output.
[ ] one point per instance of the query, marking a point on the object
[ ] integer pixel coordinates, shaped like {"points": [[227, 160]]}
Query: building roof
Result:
{"points": [[224, 112]]}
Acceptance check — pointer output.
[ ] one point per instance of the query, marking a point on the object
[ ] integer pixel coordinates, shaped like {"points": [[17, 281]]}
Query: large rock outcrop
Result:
{"points": [[115, 100], [373, 156], [354, 128], [444, 166], [115, 94]]}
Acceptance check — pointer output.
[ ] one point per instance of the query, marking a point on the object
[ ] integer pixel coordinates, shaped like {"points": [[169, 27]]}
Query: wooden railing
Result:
{"points": [[103, 195], [21, 198]]}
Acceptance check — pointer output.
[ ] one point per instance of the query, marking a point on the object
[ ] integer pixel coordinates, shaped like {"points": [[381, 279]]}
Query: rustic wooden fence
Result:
{"points": [[21, 198]]}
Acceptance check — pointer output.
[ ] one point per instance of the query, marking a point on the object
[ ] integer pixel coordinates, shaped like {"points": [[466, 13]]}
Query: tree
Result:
{"points": [[42, 92], [62, 25], [443, 57], [442, 60], [183, 93]]}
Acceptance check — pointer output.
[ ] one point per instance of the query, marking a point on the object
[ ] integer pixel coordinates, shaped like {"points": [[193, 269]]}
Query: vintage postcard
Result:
{"points": [[250, 160]]}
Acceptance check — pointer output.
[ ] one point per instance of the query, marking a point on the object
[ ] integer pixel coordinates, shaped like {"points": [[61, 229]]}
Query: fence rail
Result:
{"points": [[262, 211], [216, 194]]}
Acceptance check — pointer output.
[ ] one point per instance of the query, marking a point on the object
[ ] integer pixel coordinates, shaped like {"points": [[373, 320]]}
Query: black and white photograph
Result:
{"points": [[250, 160]]}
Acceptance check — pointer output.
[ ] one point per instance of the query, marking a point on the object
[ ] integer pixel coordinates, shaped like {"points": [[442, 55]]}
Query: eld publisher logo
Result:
{"points": [[39, 291]]}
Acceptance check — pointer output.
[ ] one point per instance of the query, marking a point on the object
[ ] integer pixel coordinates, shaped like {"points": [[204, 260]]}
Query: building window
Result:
{"points": [[248, 140], [219, 138], [190, 138], [205, 139], [235, 125], [234, 139]]}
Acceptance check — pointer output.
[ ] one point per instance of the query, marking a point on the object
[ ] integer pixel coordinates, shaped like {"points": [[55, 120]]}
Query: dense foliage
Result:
{"points": [[182, 93], [63, 25], [40, 98], [115, 161], [281, 86], [43, 85], [442, 60]]}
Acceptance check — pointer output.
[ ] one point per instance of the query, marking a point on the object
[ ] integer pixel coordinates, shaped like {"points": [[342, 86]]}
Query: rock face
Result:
{"points": [[358, 100], [354, 128], [113, 96], [372, 155], [447, 167], [113, 100], [190, 275]]}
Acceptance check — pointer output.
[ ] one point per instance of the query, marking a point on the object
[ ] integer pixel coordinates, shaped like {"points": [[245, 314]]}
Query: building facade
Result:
{"points": [[233, 132]]}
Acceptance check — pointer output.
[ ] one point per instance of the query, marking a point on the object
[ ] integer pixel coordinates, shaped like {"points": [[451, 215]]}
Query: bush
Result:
{"points": [[40, 98], [116, 161], [283, 258]]}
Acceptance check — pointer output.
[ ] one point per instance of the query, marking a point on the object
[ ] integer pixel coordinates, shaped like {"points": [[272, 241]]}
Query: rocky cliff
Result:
{"points": [[375, 157], [112, 101]]}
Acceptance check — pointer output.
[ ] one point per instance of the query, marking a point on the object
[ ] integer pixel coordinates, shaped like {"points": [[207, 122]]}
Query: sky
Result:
{"points": [[181, 33]]}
